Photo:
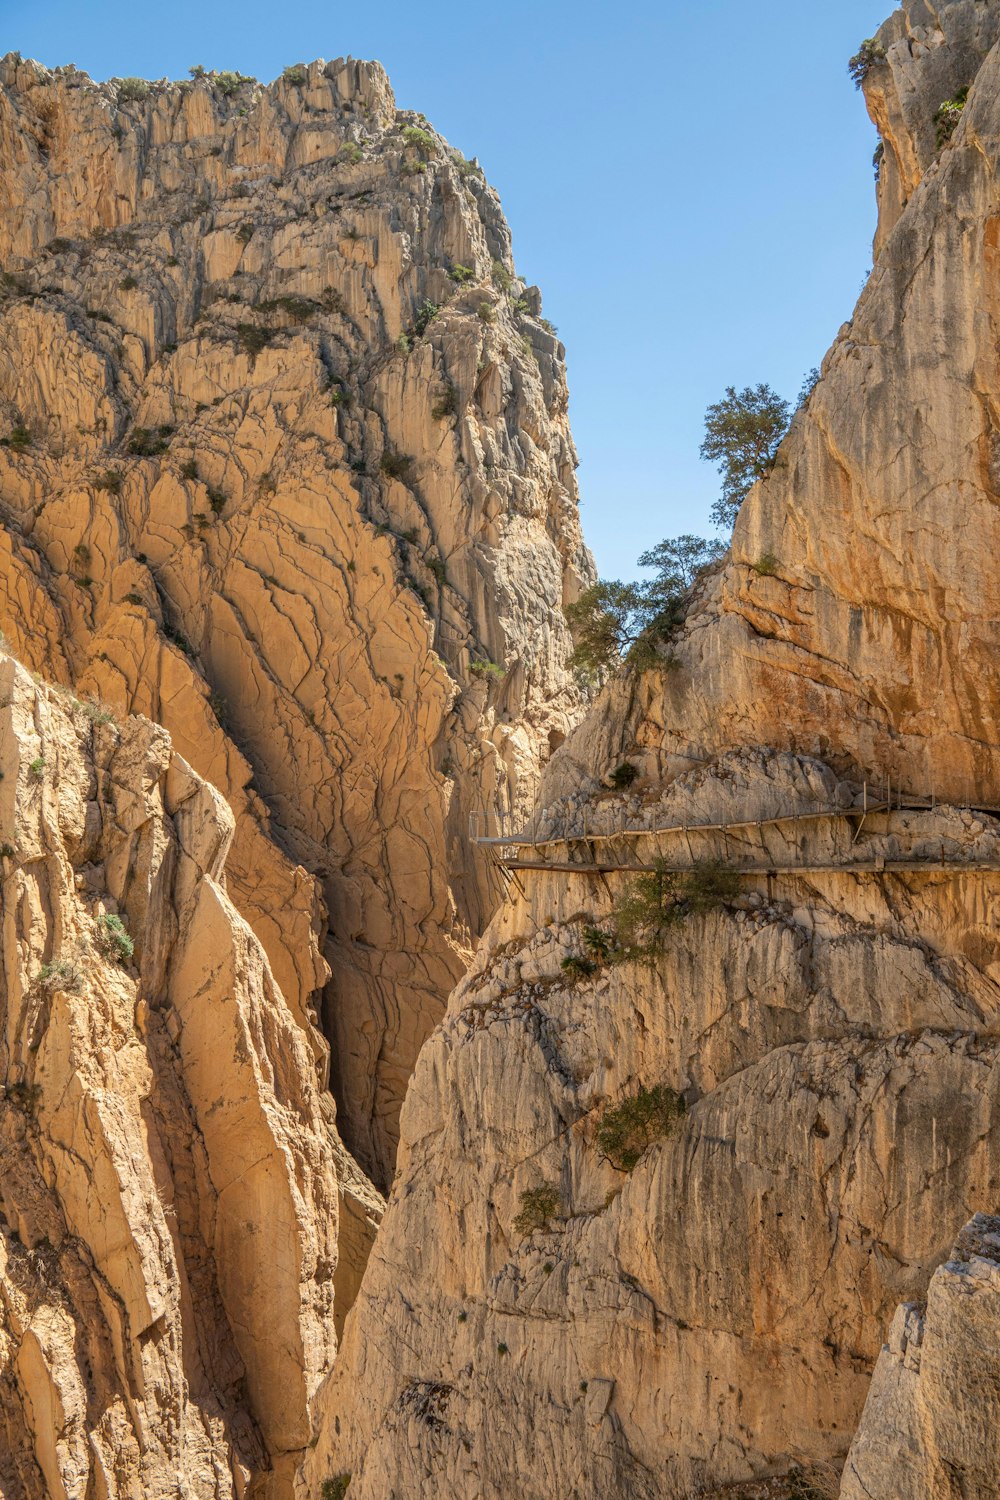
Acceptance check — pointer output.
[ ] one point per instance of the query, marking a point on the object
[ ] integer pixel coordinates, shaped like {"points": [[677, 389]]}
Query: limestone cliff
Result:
{"points": [[168, 1180], [930, 1424], [287, 469], [709, 1322]]}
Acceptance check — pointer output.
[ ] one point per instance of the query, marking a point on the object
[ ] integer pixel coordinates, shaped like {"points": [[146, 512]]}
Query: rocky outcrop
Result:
{"points": [[168, 1182], [930, 1423], [714, 1315], [931, 54], [708, 1323], [288, 471]]}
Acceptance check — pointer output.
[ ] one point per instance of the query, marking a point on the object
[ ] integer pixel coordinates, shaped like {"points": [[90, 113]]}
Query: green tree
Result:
{"points": [[868, 56], [742, 434], [614, 621]]}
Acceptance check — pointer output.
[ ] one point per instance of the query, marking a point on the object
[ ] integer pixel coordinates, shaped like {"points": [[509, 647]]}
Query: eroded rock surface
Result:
{"points": [[931, 1421], [708, 1324], [168, 1181], [289, 472]]}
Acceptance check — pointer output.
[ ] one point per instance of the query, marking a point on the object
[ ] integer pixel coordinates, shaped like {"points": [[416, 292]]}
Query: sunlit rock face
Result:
{"points": [[289, 471], [168, 1164], [708, 1323]]}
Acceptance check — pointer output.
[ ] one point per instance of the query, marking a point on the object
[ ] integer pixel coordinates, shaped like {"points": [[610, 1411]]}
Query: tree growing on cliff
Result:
{"points": [[868, 56], [743, 432], [614, 621]]}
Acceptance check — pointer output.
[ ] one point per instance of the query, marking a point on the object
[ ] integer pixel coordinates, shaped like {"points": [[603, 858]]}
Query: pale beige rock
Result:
{"points": [[835, 1035], [931, 1422], [168, 1179], [381, 652]]}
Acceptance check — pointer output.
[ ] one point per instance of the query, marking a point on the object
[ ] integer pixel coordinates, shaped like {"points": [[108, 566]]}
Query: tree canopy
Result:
{"points": [[743, 432], [614, 621]]}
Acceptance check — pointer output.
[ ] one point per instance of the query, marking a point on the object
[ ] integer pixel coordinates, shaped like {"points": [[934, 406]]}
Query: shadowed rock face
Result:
{"points": [[290, 473], [709, 1323]]}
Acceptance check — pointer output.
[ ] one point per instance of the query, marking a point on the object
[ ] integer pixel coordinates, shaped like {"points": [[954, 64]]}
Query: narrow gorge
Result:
{"points": [[320, 1003]]}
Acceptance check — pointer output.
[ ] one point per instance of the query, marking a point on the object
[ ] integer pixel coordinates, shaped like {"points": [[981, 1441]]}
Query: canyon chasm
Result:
{"points": [[289, 523]]}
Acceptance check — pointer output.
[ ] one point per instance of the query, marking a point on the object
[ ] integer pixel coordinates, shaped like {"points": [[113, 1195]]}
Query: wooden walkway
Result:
{"points": [[875, 866]]}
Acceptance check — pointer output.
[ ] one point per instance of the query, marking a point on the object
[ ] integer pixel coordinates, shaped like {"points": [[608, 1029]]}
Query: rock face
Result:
{"points": [[288, 471], [709, 1322], [930, 1424], [168, 1182]]}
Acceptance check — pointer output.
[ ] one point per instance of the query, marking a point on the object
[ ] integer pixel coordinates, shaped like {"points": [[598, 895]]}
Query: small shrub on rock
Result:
{"points": [[577, 966], [60, 974], [296, 74], [335, 1488], [628, 1129], [947, 118], [539, 1207], [869, 55], [113, 938], [132, 89], [623, 776], [395, 465]]}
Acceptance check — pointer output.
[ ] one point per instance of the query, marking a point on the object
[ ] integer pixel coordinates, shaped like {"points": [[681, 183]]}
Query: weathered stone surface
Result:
{"points": [[168, 1181], [932, 52], [300, 488], [931, 1424], [834, 1034]]}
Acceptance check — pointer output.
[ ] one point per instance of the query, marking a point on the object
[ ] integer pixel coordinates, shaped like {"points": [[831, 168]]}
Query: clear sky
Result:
{"points": [[690, 184]]}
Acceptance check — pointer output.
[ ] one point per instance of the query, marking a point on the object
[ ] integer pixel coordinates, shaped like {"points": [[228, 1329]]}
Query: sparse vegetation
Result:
{"points": [[623, 776], [627, 1130], [578, 966], [36, 769], [147, 442], [447, 403], [426, 313], [539, 1206], [245, 233], [23, 1095], [299, 309], [335, 1488], [60, 974], [131, 90], [766, 565], [947, 117], [413, 135], [251, 339], [660, 899], [461, 274], [18, 438], [128, 284], [113, 938], [486, 312], [396, 465], [296, 74], [599, 944], [229, 83], [869, 55], [108, 480], [482, 667]]}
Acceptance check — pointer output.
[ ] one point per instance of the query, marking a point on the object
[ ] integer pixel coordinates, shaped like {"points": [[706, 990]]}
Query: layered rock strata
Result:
{"points": [[168, 1181], [288, 470], [709, 1322]]}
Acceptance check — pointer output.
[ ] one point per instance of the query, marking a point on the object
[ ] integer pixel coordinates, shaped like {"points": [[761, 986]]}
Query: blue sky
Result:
{"points": [[689, 184]]}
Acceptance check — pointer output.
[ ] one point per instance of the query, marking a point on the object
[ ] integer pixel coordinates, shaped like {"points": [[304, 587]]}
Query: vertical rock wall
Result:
{"points": [[289, 471]]}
